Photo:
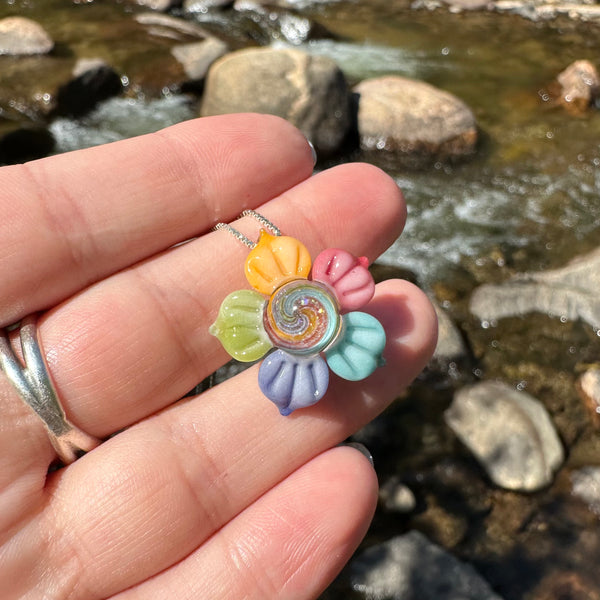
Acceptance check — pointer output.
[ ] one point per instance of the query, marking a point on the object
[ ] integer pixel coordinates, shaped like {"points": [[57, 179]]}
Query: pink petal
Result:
{"points": [[347, 275]]}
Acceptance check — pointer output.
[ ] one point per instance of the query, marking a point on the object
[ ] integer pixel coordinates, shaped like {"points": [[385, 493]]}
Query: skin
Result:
{"points": [[216, 496]]}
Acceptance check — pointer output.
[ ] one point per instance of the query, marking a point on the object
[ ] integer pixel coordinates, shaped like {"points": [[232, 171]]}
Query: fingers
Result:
{"points": [[289, 544], [164, 487], [137, 342], [72, 219]]}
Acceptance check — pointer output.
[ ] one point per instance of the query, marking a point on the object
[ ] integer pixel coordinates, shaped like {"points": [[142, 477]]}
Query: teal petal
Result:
{"points": [[358, 352]]}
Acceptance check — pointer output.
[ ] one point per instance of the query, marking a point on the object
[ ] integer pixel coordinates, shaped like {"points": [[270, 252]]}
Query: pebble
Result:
{"points": [[397, 497]]}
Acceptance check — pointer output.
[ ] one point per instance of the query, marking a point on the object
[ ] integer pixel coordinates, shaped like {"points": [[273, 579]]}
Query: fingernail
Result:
{"points": [[312, 151], [362, 449]]}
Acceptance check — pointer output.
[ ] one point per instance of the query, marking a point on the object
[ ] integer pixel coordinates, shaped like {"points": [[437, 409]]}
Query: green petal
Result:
{"points": [[239, 326]]}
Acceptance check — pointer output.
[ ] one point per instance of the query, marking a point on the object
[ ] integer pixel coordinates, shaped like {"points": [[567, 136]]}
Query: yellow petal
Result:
{"points": [[275, 260]]}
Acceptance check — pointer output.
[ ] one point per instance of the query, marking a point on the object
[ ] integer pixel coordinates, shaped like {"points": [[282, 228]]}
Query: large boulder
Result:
{"points": [[569, 293], [309, 91], [413, 118], [21, 37], [410, 567], [509, 432]]}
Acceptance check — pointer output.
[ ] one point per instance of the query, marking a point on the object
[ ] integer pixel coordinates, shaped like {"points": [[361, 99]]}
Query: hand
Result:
{"points": [[217, 496]]}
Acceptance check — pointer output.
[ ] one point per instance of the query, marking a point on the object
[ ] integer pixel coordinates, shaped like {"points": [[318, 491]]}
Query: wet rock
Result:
{"points": [[570, 293], [160, 5], [20, 143], [20, 37], [197, 57], [170, 27], [586, 486], [202, 6], [93, 81], [397, 497], [588, 386], [450, 344], [568, 585], [579, 86], [309, 91], [410, 567], [414, 119], [509, 432], [461, 5], [268, 23]]}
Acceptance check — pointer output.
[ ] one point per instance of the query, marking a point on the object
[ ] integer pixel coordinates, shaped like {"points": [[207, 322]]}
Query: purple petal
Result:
{"points": [[292, 381]]}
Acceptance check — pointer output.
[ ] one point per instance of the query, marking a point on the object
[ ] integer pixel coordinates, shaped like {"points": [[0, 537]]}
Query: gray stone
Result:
{"points": [[570, 293], [405, 116], [197, 57], [410, 567], [450, 344], [509, 432], [309, 91], [579, 85], [586, 485], [20, 36]]}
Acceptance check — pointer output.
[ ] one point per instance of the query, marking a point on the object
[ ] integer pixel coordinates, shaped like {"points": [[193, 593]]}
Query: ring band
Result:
{"points": [[34, 385]]}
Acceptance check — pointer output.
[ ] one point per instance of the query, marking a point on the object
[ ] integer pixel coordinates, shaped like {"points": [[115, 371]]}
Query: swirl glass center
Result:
{"points": [[302, 317]]}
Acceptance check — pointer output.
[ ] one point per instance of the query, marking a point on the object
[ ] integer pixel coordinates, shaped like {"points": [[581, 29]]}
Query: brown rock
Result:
{"points": [[197, 57], [588, 387], [20, 36], [579, 86], [411, 117]]}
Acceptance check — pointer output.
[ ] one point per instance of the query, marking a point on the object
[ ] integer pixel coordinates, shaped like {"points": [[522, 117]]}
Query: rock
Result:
{"points": [[509, 432], [397, 497], [588, 387], [197, 57], [410, 567], [93, 81], [579, 86], [203, 6], [569, 585], [309, 91], [457, 6], [171, 27], [20, 143], [160, 5], [570, 292], [586, 486], [20, 36], [412, 118], [450, 344]]}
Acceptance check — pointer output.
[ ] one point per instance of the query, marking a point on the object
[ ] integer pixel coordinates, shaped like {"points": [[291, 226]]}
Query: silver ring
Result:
{"points": [[34, 385]]}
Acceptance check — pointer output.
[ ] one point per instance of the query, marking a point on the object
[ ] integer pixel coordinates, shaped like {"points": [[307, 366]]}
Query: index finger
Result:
{"points": [[78, 217]]}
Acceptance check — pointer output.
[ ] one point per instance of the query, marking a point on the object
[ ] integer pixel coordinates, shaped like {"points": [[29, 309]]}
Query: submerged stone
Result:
{"points": [[570, 293], [510, 434]]}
